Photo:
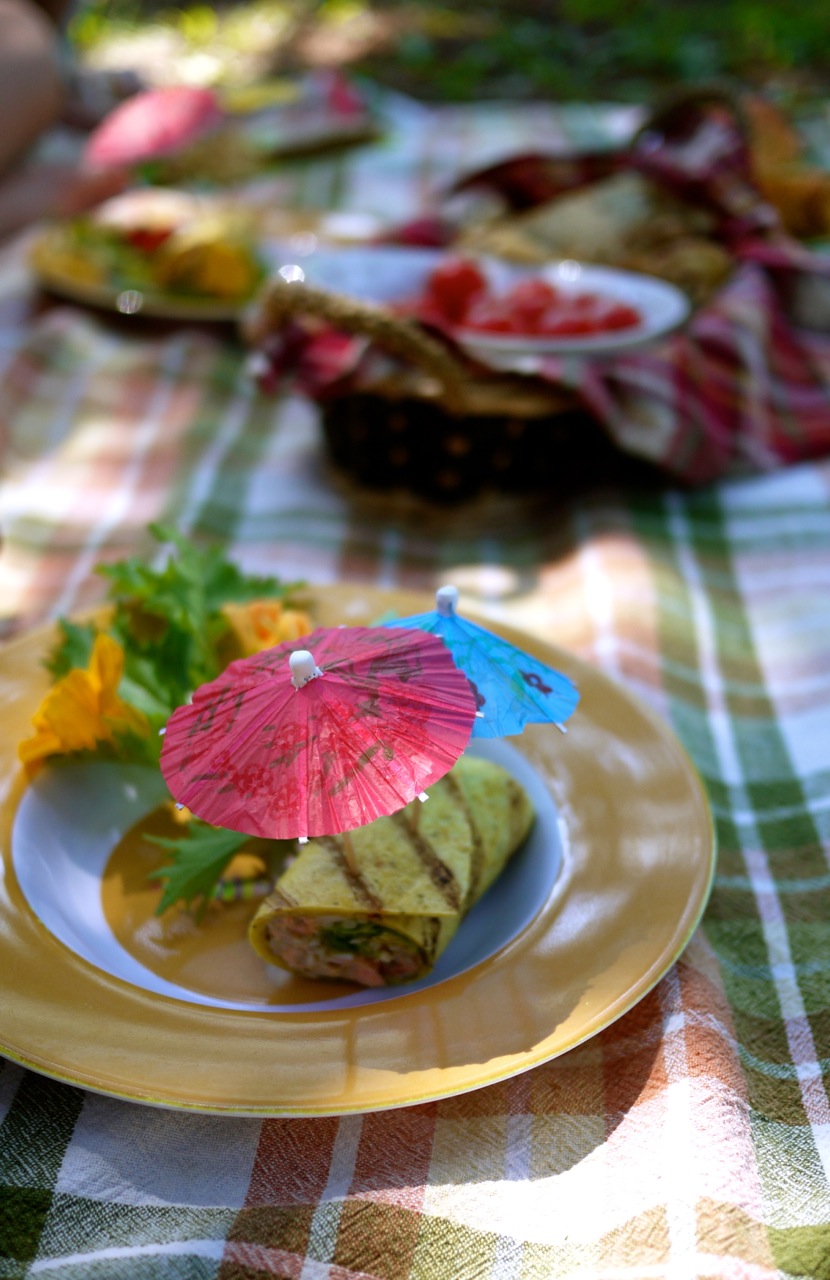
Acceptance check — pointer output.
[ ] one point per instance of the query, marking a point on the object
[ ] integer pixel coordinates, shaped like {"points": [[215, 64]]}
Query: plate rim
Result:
{"points": [[341, 597]]}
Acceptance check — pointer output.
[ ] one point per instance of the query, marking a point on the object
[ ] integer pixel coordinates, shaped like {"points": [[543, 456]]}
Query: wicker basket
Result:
{"points": [[446, 429], [431, 424], [412, 442]]}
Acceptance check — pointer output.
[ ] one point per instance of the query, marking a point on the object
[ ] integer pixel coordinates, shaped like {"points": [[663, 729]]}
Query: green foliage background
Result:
{"points": [[520, 49]]}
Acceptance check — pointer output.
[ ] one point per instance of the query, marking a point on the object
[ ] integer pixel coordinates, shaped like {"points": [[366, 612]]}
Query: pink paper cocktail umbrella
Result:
{"points": [[154, 123], [322, 735]]}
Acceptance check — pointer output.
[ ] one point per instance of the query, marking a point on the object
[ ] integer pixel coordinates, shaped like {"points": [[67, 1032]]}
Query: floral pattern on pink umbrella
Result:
{"points": [[322, 735], [154, 123]]}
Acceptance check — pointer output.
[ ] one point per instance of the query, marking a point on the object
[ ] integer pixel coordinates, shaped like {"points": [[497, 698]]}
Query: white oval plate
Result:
{"points": [[389, 274], [71, 818]]}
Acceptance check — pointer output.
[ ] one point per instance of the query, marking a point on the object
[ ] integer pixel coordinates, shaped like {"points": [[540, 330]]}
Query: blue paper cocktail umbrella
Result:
{"points": [[512, 688]]}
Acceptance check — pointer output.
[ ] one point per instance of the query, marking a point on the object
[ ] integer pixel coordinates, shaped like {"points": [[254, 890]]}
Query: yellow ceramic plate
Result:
{"points": [[637, 862], [49, 263]]}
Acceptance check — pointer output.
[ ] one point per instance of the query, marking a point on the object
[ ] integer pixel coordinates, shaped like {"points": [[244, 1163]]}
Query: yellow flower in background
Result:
{"points": [[260, 624], [83, 709], [210, 257]]}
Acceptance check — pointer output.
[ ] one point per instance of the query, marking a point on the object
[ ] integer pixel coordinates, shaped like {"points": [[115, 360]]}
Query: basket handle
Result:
{"points": [[399, 336]]}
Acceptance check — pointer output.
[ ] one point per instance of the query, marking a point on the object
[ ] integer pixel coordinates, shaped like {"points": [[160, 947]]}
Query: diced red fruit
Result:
{"points": [[425, 310], [147, 239], [561, 322], [453, 285], [458, 294], [621, 316], [530, 299], [493, 315], [586, 302]]}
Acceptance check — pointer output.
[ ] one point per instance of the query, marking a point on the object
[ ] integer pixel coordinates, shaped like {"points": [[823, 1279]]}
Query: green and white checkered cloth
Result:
{"points": [[690, 1139]]}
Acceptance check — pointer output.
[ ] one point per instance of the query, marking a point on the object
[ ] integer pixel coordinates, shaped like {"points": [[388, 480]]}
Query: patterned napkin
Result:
{"points": [[745, 386]]}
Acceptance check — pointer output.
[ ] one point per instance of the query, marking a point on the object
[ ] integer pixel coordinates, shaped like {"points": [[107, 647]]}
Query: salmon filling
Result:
{"points": [[362, 951]]}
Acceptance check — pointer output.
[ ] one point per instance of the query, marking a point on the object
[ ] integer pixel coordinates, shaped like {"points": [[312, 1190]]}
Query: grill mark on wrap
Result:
{"points": [[439, 873], [431, 942], [516, 814], [334, 848], [279, 898], [477, 854]]}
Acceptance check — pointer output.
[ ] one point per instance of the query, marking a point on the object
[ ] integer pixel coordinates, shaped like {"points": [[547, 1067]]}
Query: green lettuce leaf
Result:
{"points": [[168, 618], [74, 649], [199, 858]]}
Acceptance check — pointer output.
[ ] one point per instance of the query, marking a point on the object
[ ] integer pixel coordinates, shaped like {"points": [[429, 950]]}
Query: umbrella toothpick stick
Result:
{"points": [[303, 668], [414, 818]]}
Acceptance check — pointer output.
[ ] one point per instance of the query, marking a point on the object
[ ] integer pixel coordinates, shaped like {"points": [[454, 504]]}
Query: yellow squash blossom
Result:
{"points": [[180, 814], [260, 624], [209, 257], [83, 709]]}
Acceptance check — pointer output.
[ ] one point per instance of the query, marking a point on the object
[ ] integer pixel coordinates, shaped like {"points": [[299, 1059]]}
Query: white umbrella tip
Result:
{"points": [[303, 667], [446, 600]]}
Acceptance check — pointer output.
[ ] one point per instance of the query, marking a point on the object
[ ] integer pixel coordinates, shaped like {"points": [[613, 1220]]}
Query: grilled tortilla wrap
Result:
{"points": [[380, 905]]}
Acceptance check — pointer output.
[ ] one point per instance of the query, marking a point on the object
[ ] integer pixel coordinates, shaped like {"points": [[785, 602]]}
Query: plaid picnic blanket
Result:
{"points": [[692, 1137]]}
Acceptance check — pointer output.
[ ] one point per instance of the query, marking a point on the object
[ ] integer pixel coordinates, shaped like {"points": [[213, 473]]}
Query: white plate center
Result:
{"points": [[71, 818]]}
